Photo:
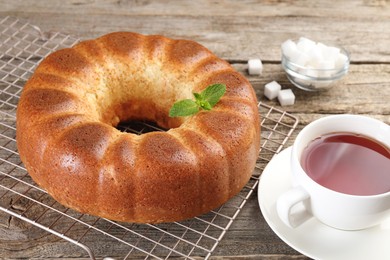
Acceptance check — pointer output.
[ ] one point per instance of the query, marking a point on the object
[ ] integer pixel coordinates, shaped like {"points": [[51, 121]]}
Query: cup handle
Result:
{"points": [[286, 203]]}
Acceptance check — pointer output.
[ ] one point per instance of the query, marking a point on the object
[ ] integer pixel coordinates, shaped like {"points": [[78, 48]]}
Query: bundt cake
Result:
{"points": [[68, 140]]}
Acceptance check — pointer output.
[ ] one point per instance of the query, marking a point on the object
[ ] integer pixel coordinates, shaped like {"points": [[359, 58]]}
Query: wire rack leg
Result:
{"points": [[87, 249]]}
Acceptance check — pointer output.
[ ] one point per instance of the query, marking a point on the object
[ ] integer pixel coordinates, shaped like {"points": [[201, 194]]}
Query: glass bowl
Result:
{"points": [[313, 79]]}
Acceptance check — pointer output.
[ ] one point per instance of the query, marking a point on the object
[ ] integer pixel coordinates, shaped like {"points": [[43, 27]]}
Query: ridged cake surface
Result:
{"points": [[68, 142]]}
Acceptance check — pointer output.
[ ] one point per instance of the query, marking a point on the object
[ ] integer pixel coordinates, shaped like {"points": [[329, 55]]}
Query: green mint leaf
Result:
{"points": [[204, 100], [204, 104], [213, 93], [197, 96], [184, 107]]}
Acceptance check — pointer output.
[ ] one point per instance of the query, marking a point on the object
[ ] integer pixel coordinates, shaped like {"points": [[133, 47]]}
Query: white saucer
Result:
{"points": [[313, 238]]}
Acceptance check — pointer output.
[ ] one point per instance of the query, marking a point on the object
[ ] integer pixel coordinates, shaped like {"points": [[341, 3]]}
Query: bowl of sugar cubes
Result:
{"points": [[314, 66]]}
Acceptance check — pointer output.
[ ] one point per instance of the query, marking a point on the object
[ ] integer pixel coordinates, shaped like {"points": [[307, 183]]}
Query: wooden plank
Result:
{"points": [[270, 8], [365, 90], [235, 38]]}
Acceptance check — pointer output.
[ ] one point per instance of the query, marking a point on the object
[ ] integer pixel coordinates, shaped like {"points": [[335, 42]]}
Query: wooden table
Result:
{"points": [[235, 31]]}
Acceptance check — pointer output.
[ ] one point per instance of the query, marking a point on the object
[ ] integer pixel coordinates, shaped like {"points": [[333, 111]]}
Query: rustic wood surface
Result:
{"points": [[236, 31]]}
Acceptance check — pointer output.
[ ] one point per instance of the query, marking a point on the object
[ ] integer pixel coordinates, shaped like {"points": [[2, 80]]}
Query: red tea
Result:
{"points": [[348, 163]]}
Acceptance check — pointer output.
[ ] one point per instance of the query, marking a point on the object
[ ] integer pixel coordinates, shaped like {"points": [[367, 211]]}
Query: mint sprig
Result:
{"points": [[204, 100]]}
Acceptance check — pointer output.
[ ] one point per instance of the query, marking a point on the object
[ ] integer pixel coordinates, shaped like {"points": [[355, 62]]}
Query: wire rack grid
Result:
{"points": [[22, 47]]}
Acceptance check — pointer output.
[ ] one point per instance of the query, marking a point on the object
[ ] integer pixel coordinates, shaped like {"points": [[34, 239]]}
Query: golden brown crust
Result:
{"points": [[67, 139]]}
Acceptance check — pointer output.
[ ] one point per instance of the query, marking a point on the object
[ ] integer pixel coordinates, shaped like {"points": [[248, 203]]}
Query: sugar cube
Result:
{"points": [[331, 53], [286, 97], [311, 72], [305, 44], [315, 56], [341, 61], [326, 65], [255, 67], [322, 47], [289, 48], [272, 89], [301, 59], [308, 53]]}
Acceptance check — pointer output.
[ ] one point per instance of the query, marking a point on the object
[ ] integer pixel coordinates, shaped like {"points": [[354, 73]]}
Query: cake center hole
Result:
{"points": [[139, 127], [140, 117]]}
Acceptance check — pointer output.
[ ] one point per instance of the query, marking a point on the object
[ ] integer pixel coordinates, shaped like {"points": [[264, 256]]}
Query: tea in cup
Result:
{"points": [[341, 173]]}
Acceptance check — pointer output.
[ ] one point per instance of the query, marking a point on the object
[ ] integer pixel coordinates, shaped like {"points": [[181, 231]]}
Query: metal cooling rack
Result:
{"points": [[22, 46]]}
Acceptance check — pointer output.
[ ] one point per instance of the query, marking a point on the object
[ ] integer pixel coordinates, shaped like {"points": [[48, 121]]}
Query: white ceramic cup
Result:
{"points": [[307, 198]]}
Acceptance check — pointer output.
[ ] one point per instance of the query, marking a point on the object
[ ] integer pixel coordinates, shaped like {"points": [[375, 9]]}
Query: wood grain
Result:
{"points": [[233, 30]]}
